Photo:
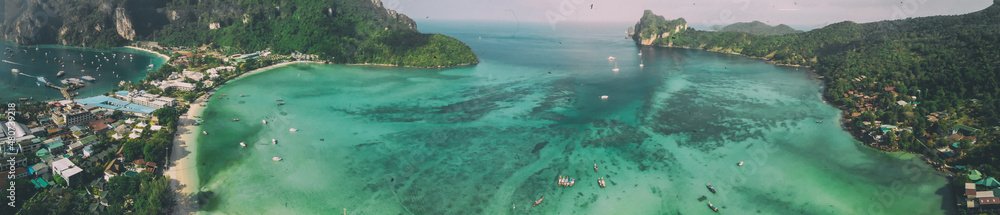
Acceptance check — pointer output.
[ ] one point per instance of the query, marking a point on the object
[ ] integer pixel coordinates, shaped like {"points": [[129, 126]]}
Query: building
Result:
{"points": [[76, 117], [114, 168], [21, 172], [118, 105], [197, 76], [176, 84], [56, 147], [100, 126], [146, 99], [19, 160], [66, 169], [39, 169]]}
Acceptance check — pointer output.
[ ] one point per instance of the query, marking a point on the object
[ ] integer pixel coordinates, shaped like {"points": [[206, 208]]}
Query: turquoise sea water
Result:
{"points": [[493, 138], [109, 67]]}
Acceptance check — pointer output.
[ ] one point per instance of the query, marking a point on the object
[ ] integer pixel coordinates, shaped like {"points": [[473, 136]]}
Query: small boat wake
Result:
{"points": [[7, 61]]}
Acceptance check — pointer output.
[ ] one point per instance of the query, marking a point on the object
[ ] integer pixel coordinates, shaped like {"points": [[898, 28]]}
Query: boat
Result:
{"points": [[539, 201], [640, 63], [15, 70], [60, 74], [273, 141], [710, 188], [604, 97], [611, 57], [236, 120], [279, 100], [293, 130], [204, 132], [740, 164], [241, 95], [595, 167], [265, 121], [600, 182], [710, 205], [640, 53], [88, 78], [243, 144], [276, 159], [280, 104], [616, 67], [819, 121]]}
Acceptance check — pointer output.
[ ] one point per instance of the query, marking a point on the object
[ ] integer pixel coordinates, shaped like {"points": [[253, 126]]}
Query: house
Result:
{"points": [[988, 182], [954, 138], [100, 126], [138, 165], [19, 160], [74, 148], [42, 154], [87, 151], [975, 175], [39, 169], [901, 103], [946, 150], [21, 172], [114, 168], [970, 190], [56, 147], [966, 130], [987, 201], [66, 169]]}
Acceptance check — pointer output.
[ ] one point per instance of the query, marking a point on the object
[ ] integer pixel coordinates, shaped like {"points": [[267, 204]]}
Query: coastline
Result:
{"points": [[165, 57], [182, 168], [390, 65]]}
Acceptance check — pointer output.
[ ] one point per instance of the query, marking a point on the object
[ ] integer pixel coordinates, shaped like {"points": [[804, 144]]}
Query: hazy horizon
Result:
{"points": [[798, 14]]}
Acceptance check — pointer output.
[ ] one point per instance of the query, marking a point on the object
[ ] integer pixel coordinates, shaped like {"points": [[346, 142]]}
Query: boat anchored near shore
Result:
{"points": [[276, 159]]}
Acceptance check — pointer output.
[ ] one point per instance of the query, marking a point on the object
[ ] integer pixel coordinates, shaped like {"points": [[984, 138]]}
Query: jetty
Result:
{"points": [[65, 90]]}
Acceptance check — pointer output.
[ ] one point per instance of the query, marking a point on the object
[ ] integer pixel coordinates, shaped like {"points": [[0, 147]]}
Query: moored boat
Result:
{"points": [[88, 78], [236, 120], [539, 201], [710, 188], [243, 144], [293, 130], [740, 164], [276, 159], [273, 141], [595, 167], [60, 74], [204, 132], [265, 121], [710, 205], [600, 182], [280, 104]]}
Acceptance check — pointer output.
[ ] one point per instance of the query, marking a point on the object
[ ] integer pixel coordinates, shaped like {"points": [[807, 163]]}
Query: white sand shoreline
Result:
{"points": [[183, 168], [165, 57]]}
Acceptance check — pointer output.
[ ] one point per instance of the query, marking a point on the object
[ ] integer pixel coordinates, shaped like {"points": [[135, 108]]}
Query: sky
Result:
{"points": [[797, 13]]}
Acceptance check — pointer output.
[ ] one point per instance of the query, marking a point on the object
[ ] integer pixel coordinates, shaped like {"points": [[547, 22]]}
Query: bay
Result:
{"points": [[109, 67], [495, 137]]}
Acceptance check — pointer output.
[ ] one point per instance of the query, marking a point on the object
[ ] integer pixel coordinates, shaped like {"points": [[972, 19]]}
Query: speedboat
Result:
{"points": [[293, 130], [15, 70], [710, 205], [819, 121], [276, 159], [604, 97], [265, 121], [611, 57], [60, 74], [710, 188], [616, 67], [273, 141], [243, 144], [204, 132], [236, 120], [740, 164]]}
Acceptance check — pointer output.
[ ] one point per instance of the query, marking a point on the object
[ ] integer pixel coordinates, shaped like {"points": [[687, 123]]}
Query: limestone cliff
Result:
{"points": [[123, 24], [654, 29]]}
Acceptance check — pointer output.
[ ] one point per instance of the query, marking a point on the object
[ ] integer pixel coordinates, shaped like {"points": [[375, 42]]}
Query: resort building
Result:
{"points": [[146, 99], [75, 117], [197, 76], [66, 169], [118, 105], [176, 84]]}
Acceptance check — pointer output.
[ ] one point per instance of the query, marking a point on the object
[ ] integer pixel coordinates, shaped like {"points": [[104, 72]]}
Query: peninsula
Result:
{"points": [[923, 85]]}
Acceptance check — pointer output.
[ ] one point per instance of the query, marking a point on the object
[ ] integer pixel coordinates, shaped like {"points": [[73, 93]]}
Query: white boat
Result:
{"points": [[243, 144], [265, 121], [741, 163], [204, 132], [604, 97], [611, 57], [273, 141], [88, 78], [15, 70], [276, 159], [293, 130], [640, 53], [616, 67]]}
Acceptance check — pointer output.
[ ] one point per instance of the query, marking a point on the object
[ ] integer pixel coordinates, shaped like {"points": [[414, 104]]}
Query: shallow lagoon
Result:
{"points": [[492, 138]]}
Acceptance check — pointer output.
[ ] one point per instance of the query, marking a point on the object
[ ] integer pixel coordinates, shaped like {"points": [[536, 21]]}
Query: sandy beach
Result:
{"points": [[165, 57], [183, 170]]}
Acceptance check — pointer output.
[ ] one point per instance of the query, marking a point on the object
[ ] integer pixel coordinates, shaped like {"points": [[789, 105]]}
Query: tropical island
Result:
{"points": [[922, 85], [338, 31]]}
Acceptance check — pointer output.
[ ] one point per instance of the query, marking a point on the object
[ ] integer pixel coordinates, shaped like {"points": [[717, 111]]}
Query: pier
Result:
{"points": [[65, 90]]}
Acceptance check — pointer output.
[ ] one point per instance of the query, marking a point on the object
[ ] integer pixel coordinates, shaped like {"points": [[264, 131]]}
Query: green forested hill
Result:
{"points": [[758, 28], [941, 64], [338, 30]]}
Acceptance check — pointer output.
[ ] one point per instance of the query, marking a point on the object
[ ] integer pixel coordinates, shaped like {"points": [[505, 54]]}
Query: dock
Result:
{"points": [[65, 90]]}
